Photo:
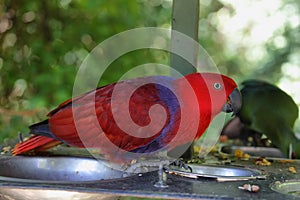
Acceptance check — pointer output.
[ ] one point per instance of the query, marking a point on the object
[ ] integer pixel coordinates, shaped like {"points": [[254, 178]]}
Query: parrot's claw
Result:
{"points": [[179, 163]]}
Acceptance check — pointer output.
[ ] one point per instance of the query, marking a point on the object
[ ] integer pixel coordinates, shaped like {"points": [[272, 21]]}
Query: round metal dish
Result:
{"points": [[220, 173], [55, 169], [291, 187], [50, 194], [254, 151]]}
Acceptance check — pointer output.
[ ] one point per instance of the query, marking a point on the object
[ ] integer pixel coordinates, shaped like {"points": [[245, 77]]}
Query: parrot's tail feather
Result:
{"points": [[39, 143]]}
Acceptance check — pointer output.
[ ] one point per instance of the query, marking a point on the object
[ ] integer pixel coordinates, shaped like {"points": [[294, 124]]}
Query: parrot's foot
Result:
{"points": [[179, 163]]}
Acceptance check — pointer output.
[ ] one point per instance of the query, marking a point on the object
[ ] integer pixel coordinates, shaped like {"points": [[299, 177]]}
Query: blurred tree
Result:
{"points": [[44, 42]]}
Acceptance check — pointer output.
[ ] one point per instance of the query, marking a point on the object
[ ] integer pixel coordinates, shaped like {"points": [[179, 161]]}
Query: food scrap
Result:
{"points": [[249, 187], [292, 170], [223, 138], [203, 151], [286, 161], [5, 149], [277, 182], [246, 156], [240, 154], [195, 161], [262, 162]]}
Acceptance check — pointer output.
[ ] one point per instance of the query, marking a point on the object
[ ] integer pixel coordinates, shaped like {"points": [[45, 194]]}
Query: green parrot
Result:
{"points": [[268, 110]]}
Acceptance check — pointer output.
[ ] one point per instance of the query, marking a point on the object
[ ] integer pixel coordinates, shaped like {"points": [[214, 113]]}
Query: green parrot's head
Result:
{"points": [[234, 102]]}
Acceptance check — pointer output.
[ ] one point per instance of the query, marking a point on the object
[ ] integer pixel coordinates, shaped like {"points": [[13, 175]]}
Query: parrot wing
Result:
{"points": [[88, 121]]}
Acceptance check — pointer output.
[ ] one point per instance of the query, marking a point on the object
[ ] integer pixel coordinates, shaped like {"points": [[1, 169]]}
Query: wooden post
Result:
{"points": [[185, 19]]}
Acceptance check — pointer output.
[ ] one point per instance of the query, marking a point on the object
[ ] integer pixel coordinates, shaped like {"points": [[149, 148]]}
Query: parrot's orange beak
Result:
{"points": [[234, 102]]}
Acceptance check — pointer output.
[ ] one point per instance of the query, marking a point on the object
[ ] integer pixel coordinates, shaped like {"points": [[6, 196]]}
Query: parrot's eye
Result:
{"points": [[218, 86]]}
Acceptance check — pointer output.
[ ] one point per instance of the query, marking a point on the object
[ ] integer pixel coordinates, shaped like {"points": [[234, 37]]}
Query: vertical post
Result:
{"points": [[185, 19]]}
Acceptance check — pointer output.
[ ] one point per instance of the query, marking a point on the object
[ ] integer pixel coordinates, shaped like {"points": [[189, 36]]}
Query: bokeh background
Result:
{"points": [[43, 43]]}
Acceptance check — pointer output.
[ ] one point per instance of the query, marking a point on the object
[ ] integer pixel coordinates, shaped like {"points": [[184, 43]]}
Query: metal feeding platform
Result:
{"points": [[62, 177]]}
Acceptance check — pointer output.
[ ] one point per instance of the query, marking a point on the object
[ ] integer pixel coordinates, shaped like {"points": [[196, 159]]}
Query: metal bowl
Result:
{"points": [[55, 169], [254, 151], [219, 173], [291, 187], [7, 193]]}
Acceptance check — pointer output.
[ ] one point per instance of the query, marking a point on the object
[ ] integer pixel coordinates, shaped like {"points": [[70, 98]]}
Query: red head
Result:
{"points": [[214, 93]]}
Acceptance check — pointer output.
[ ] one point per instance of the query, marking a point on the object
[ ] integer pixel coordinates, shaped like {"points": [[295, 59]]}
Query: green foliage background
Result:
{"points": [[42, 44]]}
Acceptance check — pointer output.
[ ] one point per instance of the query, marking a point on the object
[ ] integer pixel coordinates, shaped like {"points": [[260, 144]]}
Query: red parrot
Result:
{"points": [[161, 114]]}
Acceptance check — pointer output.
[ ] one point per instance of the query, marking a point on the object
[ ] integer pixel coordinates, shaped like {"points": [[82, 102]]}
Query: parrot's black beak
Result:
{"points": [[234, 102]]}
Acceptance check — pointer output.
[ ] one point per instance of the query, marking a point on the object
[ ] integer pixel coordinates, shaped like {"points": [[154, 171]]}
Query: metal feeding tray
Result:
{"points": [[254, 151], [290, 187], [219, 173], [55, 169]]}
